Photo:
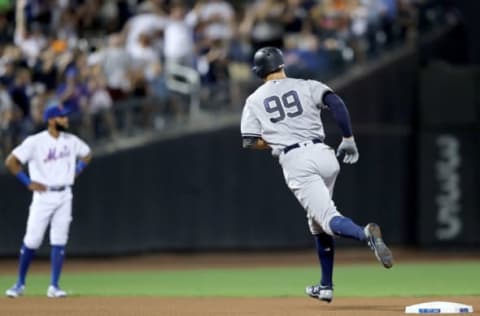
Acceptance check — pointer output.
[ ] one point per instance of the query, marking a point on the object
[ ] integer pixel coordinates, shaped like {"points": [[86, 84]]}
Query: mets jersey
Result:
{"points": [[284, 112], [51, 161]]}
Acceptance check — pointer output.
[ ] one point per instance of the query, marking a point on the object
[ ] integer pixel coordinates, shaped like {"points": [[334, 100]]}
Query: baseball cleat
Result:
{"points": [[55, 292], [15, 291], [321, 292], [375, 241]]}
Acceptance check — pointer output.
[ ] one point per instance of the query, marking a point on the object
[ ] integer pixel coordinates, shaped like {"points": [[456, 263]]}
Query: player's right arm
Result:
{"points": [[251, 130], [254, 143], [21, 155], [14, 165]]}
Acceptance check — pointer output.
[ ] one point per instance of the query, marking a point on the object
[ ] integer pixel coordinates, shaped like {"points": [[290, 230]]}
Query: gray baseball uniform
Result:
{"points": [[286, 112]]}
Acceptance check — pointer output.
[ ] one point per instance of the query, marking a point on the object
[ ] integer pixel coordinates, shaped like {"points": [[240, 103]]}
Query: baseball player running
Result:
{"points": [[54, 158], [283, 115]]}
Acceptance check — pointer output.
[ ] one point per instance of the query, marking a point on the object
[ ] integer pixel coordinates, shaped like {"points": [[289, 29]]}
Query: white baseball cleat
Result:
{"points": [[323, 293], [55, 292], [15, 291]]}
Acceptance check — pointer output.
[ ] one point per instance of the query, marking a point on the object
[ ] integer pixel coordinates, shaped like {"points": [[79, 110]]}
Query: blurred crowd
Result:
{"points": [[118, 63]]}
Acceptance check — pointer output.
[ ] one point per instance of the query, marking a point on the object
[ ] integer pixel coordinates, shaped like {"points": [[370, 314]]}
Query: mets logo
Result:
{"points": [[53, 155]]}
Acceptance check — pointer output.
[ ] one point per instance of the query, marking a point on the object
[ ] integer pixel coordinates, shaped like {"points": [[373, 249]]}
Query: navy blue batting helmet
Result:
{"points": [[267, 60]]}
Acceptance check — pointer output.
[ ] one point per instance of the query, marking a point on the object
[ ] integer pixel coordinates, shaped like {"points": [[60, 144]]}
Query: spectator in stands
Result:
{"points": [[145, 46], [31, 41], [38, 11], [304, 56], [146, 26], [179, 45], [359, 27], [88, 14], [214, 71], [295, 17], [160, 6], [54, 39], [20, 91], [5, 30], [8, 65], [100, 107], [263, 24], [72, 91], [37, 105], [213, 19], [144, 53], [116, 65], [388, 15], [67, 26], [330, 22], [214, 25], [7, 117], [45, 70], [73, 95], [146, 65], [406, 20]]}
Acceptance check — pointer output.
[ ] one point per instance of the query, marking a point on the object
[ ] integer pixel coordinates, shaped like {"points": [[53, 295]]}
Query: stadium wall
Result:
{"points": [[203, 192]]}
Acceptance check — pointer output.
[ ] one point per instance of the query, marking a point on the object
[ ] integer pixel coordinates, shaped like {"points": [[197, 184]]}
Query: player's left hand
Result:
{"points": [[348, 148]]}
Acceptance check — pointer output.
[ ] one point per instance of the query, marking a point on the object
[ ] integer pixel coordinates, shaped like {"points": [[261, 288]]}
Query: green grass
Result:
{"points": [[454, 278]]}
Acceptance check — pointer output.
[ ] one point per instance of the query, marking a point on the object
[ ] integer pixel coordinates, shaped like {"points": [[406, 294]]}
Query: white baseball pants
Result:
{"points": [[54, 208]]}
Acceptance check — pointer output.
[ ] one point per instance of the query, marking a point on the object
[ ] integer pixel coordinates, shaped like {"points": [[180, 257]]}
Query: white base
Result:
{"points": [[438, 308]]}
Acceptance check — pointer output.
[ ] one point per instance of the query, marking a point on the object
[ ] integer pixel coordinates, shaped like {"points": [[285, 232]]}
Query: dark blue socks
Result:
{"points": [[326, 253], [340, 226], [57, 255], [345, 227], [26, 256]]}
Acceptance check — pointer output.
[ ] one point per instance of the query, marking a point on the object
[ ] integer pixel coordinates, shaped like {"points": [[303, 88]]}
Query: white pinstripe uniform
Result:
{"points": [[285, 112]]}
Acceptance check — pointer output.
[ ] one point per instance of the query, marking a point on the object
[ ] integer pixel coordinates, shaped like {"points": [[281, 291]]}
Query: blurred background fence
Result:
{"points": [[169, 173]]}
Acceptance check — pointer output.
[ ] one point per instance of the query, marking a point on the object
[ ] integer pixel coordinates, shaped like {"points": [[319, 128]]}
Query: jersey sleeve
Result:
{"points": [[318, 90], [82, 149], [24, 151], [250, 125]]}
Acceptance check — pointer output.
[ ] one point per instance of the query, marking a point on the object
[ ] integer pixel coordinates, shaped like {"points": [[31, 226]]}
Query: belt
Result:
{"points": [[59, 188], [297, 145]]}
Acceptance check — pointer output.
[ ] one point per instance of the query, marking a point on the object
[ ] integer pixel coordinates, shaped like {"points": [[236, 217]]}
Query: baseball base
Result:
{"points": [[438, 308]]}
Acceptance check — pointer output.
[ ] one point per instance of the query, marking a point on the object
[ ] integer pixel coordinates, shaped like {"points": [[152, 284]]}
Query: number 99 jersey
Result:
{"points": [[284, 112]]}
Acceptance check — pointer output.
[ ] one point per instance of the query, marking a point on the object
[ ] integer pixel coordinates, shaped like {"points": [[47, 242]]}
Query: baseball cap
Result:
{"points": [[54, 111]]}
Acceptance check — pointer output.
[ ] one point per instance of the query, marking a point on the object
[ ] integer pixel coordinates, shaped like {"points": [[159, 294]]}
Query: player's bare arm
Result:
{"points": [[254, 143], [15, 167]]}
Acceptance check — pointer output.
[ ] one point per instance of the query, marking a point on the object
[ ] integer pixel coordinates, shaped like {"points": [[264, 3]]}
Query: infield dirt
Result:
{"points": [[147, 306]]}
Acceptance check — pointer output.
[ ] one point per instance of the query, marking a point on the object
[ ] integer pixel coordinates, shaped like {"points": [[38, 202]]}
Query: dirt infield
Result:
{"points": [[146, 306], [143, 306]]}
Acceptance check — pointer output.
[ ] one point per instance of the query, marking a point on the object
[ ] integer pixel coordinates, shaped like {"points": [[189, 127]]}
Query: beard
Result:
{"points": [[60, 128]]}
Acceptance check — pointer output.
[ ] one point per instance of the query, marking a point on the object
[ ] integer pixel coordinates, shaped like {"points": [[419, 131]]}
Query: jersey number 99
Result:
{"points": [[290, 101]]}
